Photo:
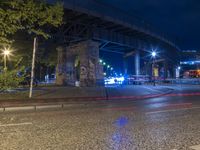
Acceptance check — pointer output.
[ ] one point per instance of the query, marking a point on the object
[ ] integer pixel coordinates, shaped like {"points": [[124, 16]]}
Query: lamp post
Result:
{"points": [[6, 53], [153, 54]]}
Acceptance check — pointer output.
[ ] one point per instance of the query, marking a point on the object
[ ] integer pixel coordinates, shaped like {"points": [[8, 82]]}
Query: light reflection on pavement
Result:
{"points": [[110, 125]]}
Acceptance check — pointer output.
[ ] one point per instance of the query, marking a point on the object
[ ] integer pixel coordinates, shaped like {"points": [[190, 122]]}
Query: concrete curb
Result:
{"points": [[36, 107], [62, 105]]}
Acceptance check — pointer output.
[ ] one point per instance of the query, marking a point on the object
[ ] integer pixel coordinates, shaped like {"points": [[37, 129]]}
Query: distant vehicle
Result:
{"points": [[27, 82], [140, 79], [194, 73]]}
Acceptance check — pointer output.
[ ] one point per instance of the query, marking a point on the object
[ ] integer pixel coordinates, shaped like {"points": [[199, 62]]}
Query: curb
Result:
{"points": [[35, 108], [64, 104]]}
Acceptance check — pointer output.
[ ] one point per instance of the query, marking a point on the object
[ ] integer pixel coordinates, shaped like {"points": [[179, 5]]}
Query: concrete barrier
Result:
{"points": [[20, 108]]}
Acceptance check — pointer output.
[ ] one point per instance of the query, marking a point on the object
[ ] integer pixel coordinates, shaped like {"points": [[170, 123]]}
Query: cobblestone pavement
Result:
{"points": [[90, 128]]}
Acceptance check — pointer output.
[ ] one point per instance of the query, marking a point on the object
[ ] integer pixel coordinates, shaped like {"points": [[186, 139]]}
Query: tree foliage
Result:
{"points": [[11, 79], [31, 16]]}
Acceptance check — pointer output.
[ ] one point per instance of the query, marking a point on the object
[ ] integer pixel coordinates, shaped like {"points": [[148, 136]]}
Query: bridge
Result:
{"points": [[92, 26]]}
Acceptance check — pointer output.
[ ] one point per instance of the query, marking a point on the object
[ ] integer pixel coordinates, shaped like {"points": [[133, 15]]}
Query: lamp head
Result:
{"points": [[153, 54]]}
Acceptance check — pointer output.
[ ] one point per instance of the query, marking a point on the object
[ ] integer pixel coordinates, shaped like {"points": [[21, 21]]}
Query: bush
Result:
{"points": [[11, 79]]}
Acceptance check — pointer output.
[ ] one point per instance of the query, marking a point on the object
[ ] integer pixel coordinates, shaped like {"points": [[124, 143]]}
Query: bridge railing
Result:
{"points": [[108, 12]]}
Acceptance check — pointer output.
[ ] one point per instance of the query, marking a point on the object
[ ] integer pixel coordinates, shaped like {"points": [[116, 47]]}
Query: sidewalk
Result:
{"points": [[86, 92], [72, 95]]}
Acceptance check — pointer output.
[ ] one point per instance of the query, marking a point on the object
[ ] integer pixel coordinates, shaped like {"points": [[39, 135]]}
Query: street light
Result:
{"points": [[153, 54], [6, 53], [100, 60]]}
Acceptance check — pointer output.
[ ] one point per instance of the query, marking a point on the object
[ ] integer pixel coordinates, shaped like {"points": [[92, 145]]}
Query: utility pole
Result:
{"points": [[33, 68], [153, 67], [153, 54]]}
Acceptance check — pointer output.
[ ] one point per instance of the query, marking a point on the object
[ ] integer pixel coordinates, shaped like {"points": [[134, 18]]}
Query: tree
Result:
{"points": [[11, 79], [34, 17], [31, 16]]}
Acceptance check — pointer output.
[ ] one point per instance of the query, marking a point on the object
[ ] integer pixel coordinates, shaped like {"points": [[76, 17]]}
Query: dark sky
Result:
{"points": [[179, 19]]}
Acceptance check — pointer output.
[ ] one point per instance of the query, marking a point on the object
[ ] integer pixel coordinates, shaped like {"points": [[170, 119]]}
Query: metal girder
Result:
{"points": [[129, 54], [103, 45], [111, 51], [76, 30], [105, 12]]}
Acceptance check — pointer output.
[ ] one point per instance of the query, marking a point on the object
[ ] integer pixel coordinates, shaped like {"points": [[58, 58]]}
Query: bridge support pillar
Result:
{"points": [[125, 61], [61, 66], [165, 70], [137, 62], [80, 64]]}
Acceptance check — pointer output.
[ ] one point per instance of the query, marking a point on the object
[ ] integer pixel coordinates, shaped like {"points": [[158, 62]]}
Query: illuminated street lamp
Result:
{"points": [[6, 53], [108, 66], [104, 63], [153, 54], [100, 60]]}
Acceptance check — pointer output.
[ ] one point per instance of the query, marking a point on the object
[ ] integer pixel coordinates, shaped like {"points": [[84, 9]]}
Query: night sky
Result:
{"points": [[179, 19]]}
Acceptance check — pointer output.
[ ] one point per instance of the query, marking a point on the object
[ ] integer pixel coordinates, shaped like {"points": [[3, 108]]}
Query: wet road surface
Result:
{"points": [[164, 123]]}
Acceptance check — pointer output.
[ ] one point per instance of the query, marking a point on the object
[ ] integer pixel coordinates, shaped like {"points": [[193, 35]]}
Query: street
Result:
{"points": [[169, 122]]}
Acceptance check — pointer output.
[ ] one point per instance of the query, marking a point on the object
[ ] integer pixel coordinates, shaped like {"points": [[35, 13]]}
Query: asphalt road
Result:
{"points": [[170, 122]]}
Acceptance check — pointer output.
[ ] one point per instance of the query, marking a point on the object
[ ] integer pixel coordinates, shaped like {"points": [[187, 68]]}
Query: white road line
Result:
{"points": [[16, 124], [154, 90], [171, 110], [196, 147]]}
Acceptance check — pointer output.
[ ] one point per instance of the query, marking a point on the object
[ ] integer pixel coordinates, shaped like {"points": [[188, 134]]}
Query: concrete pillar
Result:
{"points": [[89, 61], [91, 73], [70, 66], [137, 62], [125, 61], [165, 70], [61, 66]]}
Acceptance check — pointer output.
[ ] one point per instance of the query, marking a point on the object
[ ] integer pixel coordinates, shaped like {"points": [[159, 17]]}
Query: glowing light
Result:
{"points": [[100, 60], [104, 63], [112, 80], [153, 54], [6, 52], [108, 66]]}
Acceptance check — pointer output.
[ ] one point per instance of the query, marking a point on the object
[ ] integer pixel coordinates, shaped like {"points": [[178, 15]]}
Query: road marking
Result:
{"points": [[155, 90], [16, 124], [196, 147], [171, 110]]}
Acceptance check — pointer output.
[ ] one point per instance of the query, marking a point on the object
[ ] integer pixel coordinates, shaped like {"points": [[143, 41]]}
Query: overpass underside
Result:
{"points": [[81, 30]]}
